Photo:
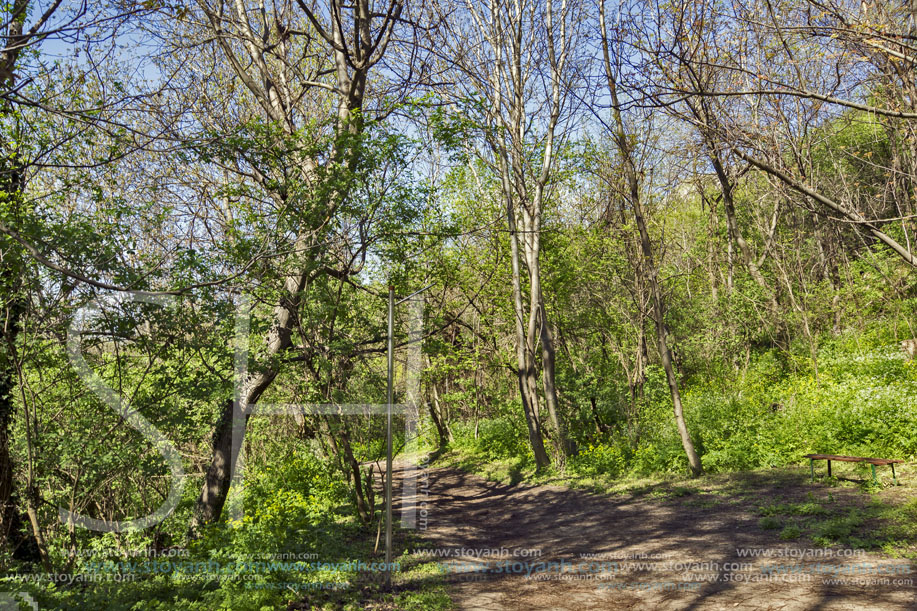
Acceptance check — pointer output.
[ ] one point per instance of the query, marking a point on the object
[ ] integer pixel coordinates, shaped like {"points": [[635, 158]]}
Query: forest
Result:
{"points": [[636, 247]]}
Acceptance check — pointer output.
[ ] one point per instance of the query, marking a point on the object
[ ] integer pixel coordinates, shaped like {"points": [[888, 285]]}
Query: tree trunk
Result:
{"points": [[649, 269], [436, 413], [524, 361], [548, 358], [712, 263], [362, 496], [32, 512], [735, 234], [600, 427], [234, 414], [212, 498], [352, 59], [664, 353], [10, 520]]}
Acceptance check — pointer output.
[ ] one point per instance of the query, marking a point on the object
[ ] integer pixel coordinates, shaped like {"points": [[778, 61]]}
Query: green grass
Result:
{"points": [[791, 533], [770, 523]]}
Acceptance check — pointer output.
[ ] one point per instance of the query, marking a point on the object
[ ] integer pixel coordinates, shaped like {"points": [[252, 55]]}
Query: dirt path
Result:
{"points": [[634, 552]]}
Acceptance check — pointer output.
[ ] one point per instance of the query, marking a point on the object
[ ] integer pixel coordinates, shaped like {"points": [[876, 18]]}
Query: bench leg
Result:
{"points": [[894, 479], [829, 468], [812, 468], [873, 473]]}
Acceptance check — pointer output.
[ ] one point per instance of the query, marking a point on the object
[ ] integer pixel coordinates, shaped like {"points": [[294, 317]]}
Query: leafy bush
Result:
{"points": [[791, 532], [770, 523], [500, 438], [603, 459], [862, 402]]}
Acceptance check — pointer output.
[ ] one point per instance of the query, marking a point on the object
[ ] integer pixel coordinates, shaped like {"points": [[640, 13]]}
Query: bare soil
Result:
{"points": [[525, 547]]}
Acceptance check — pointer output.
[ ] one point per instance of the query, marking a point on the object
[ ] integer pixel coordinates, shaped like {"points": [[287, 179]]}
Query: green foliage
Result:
{"points": [[795, 354], [497, 438], [791, 533], [608, 460], [862, 403], [295, 511], [838, 529], [770, 523], [288, 506]]}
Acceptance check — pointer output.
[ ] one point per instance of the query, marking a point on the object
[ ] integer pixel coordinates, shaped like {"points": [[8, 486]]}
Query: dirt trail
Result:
{"points": [[646, 553]]}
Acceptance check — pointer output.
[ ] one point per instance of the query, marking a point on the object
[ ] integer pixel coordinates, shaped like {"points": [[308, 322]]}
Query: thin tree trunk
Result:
{"points": [[524, 361], [365, 508], [10, 520], [548, 360], [32, 512], [649, 268], [436, 413], [728, 189], [712, 263], [661, 340]]}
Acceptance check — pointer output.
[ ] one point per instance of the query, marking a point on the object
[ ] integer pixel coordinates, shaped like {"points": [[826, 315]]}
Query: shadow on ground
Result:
{"points": [[508, 546]]}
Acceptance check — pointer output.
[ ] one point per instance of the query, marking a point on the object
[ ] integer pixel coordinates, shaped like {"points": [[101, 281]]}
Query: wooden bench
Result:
{"points": [[872, 462]]}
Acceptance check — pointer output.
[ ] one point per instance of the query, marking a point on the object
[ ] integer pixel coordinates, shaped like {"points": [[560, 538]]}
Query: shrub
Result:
{"points": [[604, 459], [770, 523]]}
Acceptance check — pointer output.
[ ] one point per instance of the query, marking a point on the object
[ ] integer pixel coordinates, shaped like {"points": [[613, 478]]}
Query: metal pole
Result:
{"points": [[388, 443], [388, 432]]}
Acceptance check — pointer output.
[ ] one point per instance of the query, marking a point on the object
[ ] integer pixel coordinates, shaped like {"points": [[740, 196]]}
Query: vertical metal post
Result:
{"points": [[388, 444]]}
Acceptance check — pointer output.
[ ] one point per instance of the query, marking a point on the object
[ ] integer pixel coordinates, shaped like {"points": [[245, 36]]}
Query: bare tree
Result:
{"points": [[792, 68], [625, 143], [518, 56]]}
